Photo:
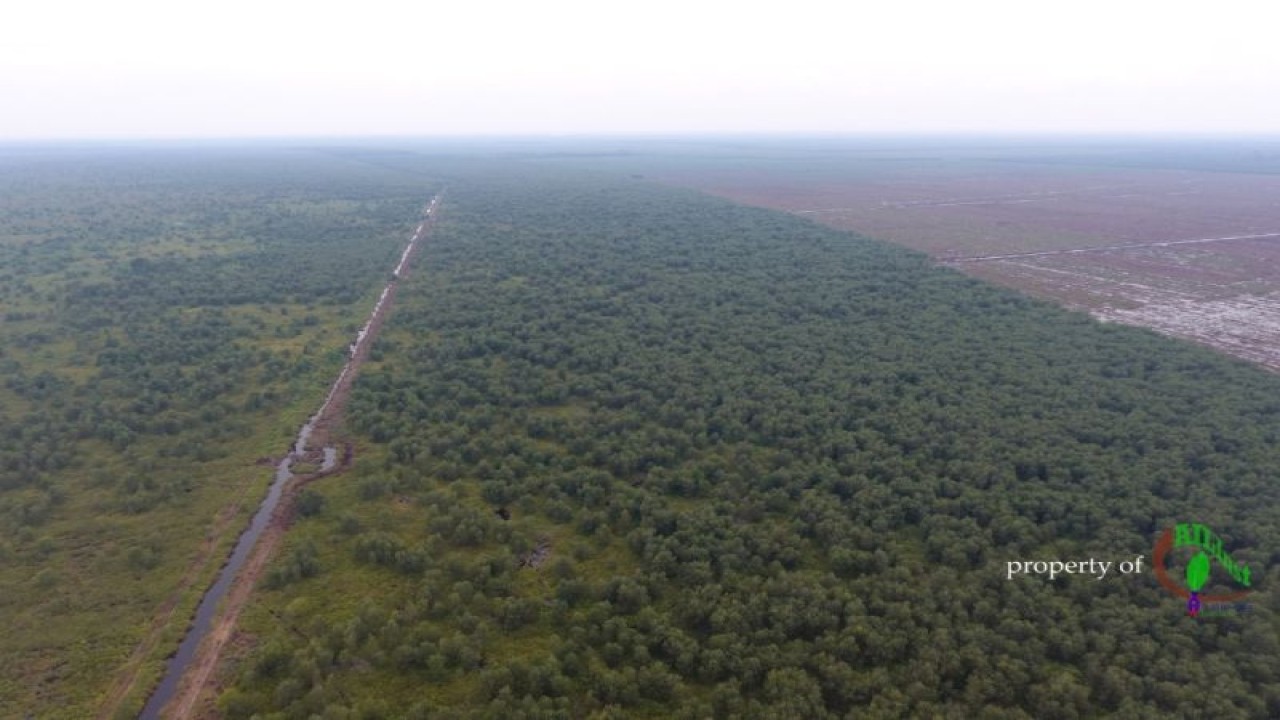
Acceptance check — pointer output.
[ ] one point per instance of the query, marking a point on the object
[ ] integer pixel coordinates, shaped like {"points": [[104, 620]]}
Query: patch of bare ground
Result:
{"points": [[1227, 298], [539, 555], [981, 210], [1246, 327], [1187, 253]]}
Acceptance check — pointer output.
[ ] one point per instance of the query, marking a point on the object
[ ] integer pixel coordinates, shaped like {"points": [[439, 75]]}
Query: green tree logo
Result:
{"points": [[1197, 575], [1199, 567]]}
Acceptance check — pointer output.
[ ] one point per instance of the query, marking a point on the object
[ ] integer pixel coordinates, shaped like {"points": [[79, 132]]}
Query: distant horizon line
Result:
{"points": [[1009, 136]]}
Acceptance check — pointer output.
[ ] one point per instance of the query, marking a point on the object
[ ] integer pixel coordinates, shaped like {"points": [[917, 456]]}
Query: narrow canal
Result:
{"points": [[206, 611]]}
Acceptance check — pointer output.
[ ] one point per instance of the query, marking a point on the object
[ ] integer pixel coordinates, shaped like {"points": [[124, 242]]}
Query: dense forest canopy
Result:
{"points": [[631, 451]]}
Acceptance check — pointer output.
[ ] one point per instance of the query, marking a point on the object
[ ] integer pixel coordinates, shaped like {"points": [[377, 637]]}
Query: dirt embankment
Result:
{"points": [[128, 676]]}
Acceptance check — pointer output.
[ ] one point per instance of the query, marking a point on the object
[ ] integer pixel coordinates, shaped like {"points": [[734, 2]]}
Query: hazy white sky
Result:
{"points": [[159, 68]]}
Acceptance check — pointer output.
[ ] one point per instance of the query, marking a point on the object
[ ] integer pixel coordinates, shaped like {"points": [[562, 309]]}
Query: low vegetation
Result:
{"points": [[167, 318]]}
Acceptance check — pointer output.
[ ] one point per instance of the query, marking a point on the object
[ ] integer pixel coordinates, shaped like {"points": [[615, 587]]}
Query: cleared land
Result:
{"points": [[1190, 247]]}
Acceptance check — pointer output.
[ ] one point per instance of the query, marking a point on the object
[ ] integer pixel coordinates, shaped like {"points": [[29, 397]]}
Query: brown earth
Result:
{"points": [[1188, 253], [160, 621], [193, 698]]}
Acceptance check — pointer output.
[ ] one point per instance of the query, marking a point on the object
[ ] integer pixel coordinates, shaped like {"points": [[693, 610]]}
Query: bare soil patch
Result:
{"points": [[1188, 253]]}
